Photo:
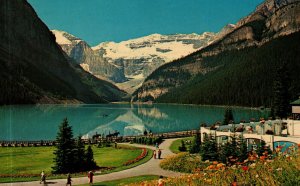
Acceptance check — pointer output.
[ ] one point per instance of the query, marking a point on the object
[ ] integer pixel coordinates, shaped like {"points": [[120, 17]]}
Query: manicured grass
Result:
{"points": [[174, 146], [144, 160], [28, 162], [126, 181], [111, 157]]}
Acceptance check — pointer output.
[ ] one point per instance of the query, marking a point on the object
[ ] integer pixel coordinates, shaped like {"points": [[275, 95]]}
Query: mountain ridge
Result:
{"points": [[255, 30], [35, 69], [127, 63]]}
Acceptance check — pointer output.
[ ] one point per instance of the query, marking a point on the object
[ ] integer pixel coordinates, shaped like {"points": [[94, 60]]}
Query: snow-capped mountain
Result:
{"points": [[167, 47], [89, 60], [128, 63]]}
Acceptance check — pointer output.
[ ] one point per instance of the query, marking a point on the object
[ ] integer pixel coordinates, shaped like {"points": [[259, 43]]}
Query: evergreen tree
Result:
{"points": [[230, 149], [89, 156], [195, 148], [145, 132], [204, 148], [243, 150], [234, 146], [228, 116], [213, 150], [209, 149], [80, 154], [272, 114], [263, 148], [64, 153], [281, 105], [182, 148], [225, 152]]}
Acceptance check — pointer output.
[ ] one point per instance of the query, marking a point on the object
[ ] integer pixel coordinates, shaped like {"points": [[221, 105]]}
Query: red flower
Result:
{"points": [[245, 168], [141, 156]]}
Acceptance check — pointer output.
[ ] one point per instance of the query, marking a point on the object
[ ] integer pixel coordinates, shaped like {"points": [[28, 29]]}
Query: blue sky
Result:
{"points": [[97, 21]]}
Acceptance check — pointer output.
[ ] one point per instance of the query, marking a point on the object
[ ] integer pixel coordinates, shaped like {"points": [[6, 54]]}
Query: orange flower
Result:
{"points": [[252, 158], [211, 167], [215, 162], [220, 165], [262, 158]]}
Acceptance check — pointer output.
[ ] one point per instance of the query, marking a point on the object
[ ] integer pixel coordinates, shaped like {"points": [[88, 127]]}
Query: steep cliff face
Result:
{"points": [[35, 69], [270, 20], [88, 59], [128, 63]]}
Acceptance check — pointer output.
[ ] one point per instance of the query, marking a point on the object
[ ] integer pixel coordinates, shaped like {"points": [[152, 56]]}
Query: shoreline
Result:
{"points": [[204, 105], [138, 103]]}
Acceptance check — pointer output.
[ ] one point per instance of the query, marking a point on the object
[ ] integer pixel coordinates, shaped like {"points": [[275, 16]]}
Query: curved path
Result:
{"points": [[151, 167]]}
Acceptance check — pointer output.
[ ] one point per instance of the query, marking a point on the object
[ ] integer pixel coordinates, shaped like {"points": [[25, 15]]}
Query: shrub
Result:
{"points": [[149, 140], [182, 148], [182, 162], [195, 148]]}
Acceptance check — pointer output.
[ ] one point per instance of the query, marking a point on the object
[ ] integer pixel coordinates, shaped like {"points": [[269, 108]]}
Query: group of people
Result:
{"points": [[158, 152], [69, 178]]}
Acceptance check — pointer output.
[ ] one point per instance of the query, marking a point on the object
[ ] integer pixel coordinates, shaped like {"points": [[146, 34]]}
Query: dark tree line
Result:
{"points": [[241, 77], [281, 103], [17, 90], [228, 117], [235, 149]]}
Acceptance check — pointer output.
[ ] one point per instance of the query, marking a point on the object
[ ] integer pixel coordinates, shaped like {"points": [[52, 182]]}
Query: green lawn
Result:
{"points": [[174, 146], [26, 160], [111, 157], [32, 160], [126, 181], [144, 160]]}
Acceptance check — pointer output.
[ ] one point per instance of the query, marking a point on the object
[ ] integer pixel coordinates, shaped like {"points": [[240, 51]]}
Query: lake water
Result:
{"points": [[40, 122]]}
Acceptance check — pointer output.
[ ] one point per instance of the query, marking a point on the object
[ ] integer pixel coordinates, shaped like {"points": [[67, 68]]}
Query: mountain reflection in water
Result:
{"points": [[40, 122]]}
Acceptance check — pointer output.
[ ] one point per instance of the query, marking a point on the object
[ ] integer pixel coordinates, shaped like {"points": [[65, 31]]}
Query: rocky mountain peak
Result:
{"points": [[128, 63], [63, 38]]}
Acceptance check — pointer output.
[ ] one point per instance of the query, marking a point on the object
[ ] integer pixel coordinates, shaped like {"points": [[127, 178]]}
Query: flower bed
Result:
{"points": [[141, 156], [281, 170], [183, 162]]}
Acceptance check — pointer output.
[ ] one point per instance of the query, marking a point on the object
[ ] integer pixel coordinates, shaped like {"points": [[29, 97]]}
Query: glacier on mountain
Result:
{"points": [[128, 63]]}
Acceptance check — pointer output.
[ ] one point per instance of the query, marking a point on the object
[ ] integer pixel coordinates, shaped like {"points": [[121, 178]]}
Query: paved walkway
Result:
{"points": [[149, 168]]}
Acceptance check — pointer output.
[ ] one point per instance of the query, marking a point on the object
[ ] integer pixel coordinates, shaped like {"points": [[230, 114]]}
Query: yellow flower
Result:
{"points": [[208, 181]]}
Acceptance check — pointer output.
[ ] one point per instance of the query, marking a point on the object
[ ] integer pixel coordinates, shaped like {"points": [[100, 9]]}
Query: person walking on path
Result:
{"points": [[156, 146], [154, 154], [160, 181], [43, 177], [69, 180], [159, 153], [90, 176]]}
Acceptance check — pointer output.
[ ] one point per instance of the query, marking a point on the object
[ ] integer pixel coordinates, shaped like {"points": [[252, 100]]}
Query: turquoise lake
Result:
{"points": [[40, 122]]}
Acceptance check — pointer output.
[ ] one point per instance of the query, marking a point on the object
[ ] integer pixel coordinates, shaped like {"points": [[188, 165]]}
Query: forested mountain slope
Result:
{"points": [[34, 69], [268, 29]]}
